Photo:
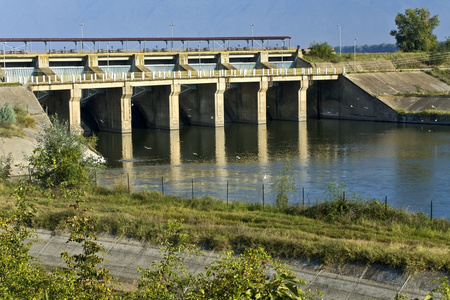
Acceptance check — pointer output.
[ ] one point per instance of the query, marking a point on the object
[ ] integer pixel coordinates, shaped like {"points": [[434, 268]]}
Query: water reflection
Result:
{"points": [[408, 163]]}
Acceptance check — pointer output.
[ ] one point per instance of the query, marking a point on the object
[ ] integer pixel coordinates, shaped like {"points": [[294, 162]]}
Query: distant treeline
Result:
{"points": [[386, 48], [382, 48]]}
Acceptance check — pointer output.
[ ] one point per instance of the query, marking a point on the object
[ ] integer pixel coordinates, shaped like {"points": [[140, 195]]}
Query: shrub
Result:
{"points": [[284, 184], [5, 167], [7, 114], [60, 158], [322, 50]]}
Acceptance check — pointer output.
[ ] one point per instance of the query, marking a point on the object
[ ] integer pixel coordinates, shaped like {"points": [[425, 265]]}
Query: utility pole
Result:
{"points": [[340, 40], [252, 25], [171, 30], [81, 26]]}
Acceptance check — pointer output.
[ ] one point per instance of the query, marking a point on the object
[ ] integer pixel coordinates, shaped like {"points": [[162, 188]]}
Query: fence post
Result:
{"points": [[431, 210], [192, 188], [385, 206], [303, 196], [263, 195], [227, 192], [162, 185], [128, 179]]}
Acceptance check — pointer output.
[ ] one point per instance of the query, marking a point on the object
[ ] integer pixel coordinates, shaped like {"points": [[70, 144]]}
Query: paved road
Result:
{"points": [[336, 282]]}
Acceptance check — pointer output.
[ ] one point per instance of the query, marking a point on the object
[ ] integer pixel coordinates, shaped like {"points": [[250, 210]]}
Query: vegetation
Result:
{"points": [[335, 230], [60, 158], [283, 185], [7, 115], [415, 30], [231, 277], [443, 75], [5, 167], [22, 120], [322, 50]]}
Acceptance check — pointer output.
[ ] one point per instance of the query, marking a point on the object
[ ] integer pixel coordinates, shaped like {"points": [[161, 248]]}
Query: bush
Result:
{"points": [[322, 50], [7, 114], [60, 159], [283, 185]]}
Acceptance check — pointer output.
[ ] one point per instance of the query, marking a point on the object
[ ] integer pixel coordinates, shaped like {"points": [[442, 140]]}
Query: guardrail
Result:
{"points": [[171, 75]]}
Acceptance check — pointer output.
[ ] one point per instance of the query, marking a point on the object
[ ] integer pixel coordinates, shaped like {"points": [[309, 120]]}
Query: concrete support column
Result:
{"points": [[304, 84], [261, 105], [174, 109], [75, 110], [219, 103], [263, 153], [118, 114]]}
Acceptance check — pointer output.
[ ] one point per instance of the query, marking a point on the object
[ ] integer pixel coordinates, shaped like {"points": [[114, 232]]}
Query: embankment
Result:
{"points": [[23, 146], [380, 96]]}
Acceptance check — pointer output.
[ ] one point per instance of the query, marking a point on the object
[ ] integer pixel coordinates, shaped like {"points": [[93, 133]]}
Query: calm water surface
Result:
{"points": [[410, 164]]}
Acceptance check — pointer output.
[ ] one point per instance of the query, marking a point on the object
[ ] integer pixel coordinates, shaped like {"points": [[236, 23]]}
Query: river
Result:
{"points": [[407, 164]]}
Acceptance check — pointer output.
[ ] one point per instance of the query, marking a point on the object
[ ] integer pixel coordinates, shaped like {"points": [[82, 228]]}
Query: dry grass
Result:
{"points": [[364, 233]]}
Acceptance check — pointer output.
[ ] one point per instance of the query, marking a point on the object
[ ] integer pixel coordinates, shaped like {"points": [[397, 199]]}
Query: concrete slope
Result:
{"points": [[391, 83], [21, 147], [350, 66], [388, 86], [336, 282]]}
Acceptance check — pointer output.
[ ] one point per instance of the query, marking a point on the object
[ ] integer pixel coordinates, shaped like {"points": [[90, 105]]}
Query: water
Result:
{"points": [[409, 164]]}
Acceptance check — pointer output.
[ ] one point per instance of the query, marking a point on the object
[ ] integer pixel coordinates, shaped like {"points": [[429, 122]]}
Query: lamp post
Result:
{"points": [[107, 55], [354, 55], [252, 25], [199, 58], [171, 30], [81, 27], [340, 39]]}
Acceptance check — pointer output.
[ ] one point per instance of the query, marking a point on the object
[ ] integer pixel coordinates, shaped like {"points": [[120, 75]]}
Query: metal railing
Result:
{"points": [[171, 75]]}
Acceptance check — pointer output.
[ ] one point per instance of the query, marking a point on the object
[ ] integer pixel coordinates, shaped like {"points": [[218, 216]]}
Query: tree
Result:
{"points": [[60, 158], [415, 30], [321, 50], [20, 278]]}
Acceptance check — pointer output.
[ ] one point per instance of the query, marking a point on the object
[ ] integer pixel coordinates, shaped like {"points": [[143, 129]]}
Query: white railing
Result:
{"points": [[171, 75]]}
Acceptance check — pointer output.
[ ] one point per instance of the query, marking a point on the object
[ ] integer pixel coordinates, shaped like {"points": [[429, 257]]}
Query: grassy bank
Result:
{"points": [[336, 230]]}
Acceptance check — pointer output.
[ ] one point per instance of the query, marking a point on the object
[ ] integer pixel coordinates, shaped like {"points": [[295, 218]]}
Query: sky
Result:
{"points": [[306, 21]]}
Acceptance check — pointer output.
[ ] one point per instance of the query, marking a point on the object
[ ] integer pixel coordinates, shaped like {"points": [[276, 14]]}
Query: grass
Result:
{"points": [[333, 231], [401, 60]]}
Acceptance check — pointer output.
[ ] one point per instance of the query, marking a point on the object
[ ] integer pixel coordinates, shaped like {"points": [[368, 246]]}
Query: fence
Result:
{"points": [[170, 75]]}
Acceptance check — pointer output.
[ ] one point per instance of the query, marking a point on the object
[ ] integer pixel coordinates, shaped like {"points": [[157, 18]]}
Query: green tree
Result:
{"points": [[7, 115], [283, 185], [19, 277], [415, 30], [60, 160], [321, 50]]}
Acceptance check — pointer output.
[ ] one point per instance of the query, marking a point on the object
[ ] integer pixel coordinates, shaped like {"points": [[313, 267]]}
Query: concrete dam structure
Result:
{"points": [[165, 88]]}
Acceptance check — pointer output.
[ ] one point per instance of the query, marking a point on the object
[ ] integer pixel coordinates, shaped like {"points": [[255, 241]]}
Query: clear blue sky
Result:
{"points": [[305, 21]]}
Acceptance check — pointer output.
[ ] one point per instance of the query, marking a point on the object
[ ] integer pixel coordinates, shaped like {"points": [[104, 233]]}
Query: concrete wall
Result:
{"points": [[241, 103], [197, 105], [376, 97], [282, 100], [154, 106], [343, 99]]}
